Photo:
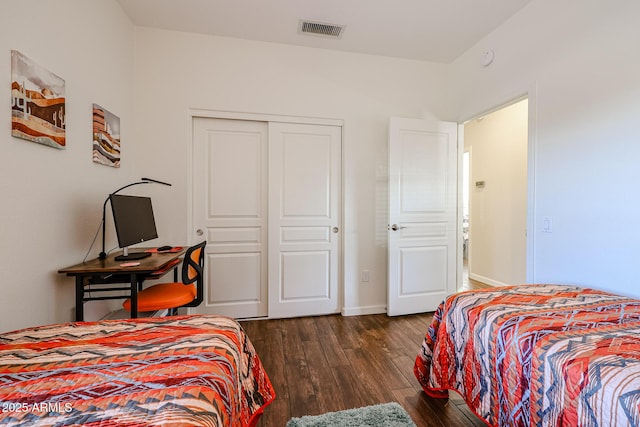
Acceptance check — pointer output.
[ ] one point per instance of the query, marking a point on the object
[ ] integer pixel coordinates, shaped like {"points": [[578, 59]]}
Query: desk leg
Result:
{"points": [[79, 298], [134, 296]]}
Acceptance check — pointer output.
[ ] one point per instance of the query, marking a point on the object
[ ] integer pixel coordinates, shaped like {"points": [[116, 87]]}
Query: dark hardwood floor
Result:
{"points": [[330, 363]]}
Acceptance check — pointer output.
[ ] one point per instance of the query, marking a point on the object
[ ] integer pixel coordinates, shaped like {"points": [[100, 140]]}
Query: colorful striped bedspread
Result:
{"points": [[184, 370], [537, 355]]}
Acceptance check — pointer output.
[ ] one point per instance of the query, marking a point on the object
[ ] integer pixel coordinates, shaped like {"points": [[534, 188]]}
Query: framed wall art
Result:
{"points": [[37, 103], [106, 137]]}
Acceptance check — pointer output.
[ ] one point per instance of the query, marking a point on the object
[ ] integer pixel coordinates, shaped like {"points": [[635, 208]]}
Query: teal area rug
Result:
{"points": [[384, 415]]}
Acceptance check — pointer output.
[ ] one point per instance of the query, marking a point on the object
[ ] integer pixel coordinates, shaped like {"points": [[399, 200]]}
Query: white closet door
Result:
{"points": [[304, 219], [230, 212]]}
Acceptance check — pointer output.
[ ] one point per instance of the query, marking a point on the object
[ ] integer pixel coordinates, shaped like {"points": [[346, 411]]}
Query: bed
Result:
{"points": [[182, 370], [537, 355]]}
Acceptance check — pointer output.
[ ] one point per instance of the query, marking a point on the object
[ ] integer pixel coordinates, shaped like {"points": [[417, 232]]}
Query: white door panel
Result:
{"points": [[230, 207], [304, 219], [422, 214], [305, 276], [243, 270], [305, 161]]}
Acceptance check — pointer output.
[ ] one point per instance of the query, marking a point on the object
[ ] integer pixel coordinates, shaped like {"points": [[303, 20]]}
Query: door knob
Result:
{"points": [[335, 229], [199, 232], [396, 227]]}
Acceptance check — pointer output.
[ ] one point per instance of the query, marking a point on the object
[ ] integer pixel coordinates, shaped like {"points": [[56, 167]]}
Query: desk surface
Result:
{"points": [[110, 265]]}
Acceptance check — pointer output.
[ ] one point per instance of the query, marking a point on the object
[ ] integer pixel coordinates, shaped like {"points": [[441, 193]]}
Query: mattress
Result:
{"points": [[183, 370], [537, 355]]}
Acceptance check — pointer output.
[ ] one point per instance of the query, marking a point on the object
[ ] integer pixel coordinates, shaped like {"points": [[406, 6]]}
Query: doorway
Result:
{"points": [[466, 176], [495, 196]]}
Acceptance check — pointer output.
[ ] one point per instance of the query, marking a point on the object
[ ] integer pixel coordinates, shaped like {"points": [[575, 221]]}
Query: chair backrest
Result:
{"points": [[192, 271]]}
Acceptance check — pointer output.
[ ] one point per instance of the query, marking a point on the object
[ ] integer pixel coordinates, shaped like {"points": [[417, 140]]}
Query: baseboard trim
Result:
{"points": [[486, 280], [360, 311]]}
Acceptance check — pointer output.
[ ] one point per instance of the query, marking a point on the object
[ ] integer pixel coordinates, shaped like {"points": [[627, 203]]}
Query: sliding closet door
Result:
{"points": [[304, 219], [230, 212], [266, 197]]}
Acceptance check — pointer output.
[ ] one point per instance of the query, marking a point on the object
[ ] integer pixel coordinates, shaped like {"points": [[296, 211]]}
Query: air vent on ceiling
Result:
{"points": [[321, 29]]}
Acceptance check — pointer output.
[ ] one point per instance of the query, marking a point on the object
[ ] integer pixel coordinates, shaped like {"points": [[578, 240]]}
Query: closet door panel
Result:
{"points": [[304, 219], [230, 212]]}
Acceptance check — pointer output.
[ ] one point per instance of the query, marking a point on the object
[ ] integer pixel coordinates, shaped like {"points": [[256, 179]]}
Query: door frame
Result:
{"points": [[529, 93], [261, 117]]}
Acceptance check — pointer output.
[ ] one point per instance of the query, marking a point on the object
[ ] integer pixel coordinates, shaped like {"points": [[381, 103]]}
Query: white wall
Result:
{"points": [[175, 72], [580, 59], [498, 210], [52, 199]]}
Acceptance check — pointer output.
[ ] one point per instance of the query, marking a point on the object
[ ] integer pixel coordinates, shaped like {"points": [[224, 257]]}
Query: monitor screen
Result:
{"points": [[133, 219]]}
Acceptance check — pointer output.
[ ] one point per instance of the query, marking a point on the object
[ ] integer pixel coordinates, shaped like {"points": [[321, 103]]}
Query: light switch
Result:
{"points": [[365, 275], [547, 224]]}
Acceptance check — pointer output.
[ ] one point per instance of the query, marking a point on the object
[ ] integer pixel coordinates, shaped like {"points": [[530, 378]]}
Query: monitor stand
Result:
{"points": [[126, 256]]}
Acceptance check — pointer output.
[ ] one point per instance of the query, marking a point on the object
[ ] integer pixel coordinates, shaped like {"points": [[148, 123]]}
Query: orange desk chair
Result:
{"points": [[170, 296]]}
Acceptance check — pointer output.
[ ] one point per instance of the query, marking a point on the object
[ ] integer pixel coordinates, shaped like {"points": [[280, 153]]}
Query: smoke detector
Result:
{"points": [[321, 29], [487, 58]]}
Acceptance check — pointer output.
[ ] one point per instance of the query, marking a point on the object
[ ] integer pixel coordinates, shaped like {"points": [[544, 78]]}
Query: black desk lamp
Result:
{"points": [[103, 254]]}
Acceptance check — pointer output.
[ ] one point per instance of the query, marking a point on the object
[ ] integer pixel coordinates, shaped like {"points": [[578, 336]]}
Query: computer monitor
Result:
{"points": [[134, 223]]}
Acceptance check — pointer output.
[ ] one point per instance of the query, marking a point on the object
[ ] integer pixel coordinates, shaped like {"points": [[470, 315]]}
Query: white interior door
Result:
{"points": [[304, 219], [230, 211], [422, 214]]}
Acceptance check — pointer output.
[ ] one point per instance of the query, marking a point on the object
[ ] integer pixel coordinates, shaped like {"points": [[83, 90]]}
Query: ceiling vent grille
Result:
{"points": [[321, 29]]}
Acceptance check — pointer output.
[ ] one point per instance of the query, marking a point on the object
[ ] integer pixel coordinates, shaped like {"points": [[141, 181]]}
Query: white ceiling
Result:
{"points": [[429, 30]]}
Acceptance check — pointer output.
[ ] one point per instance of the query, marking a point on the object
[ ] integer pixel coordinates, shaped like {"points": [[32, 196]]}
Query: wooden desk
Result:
{"points": [[108, 272]]}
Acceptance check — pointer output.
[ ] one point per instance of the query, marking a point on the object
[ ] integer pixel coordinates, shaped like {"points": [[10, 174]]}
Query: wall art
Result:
{"points": [[106, 137], [37, 103]]}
